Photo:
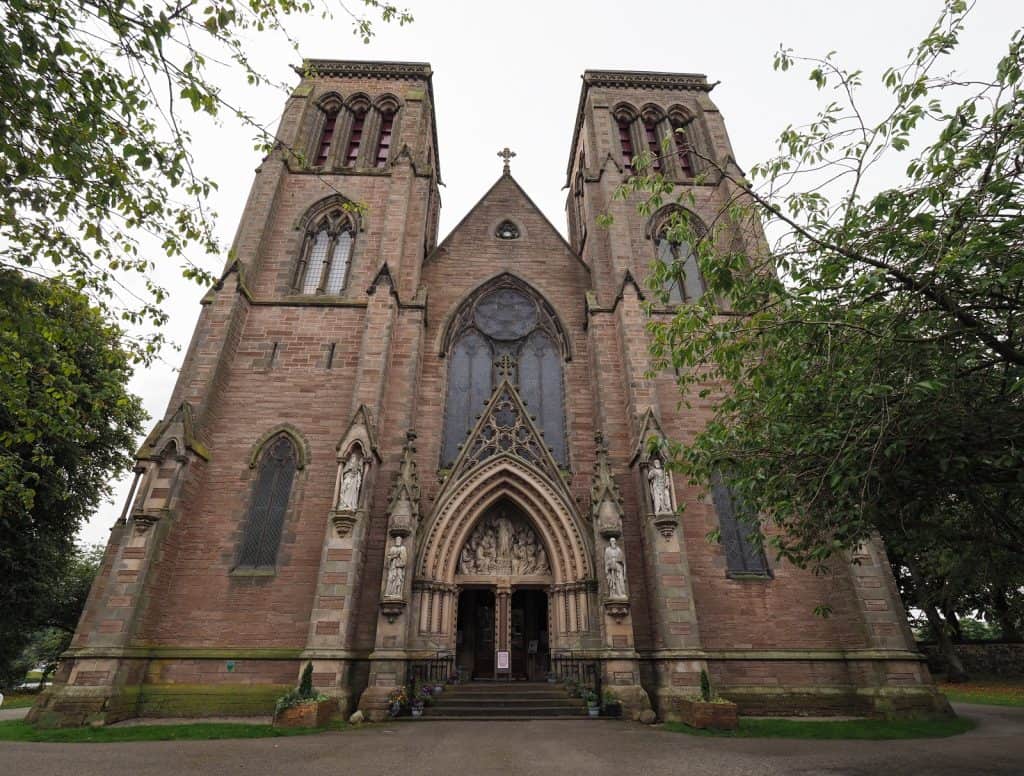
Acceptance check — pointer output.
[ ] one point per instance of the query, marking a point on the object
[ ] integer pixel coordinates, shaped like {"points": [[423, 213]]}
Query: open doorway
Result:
{"points": [[529, 644], [474, 639]]}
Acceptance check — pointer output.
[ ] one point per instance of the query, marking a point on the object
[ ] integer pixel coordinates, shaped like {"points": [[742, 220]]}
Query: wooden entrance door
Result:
{"points": [[529, 642], [475, 636]]}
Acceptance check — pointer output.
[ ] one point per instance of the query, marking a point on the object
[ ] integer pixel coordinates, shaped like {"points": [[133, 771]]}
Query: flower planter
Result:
{"points": [[594, 711], [417, 711], [702, 714], [438, 688], [307, 715]]}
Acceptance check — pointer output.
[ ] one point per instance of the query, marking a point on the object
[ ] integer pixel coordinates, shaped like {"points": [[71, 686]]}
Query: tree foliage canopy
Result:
{"points": [[95, 162], [67, 423], [867, 368]]}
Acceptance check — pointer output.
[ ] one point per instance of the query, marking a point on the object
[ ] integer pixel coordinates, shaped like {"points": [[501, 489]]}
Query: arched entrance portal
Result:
{"points": [[504, 573], [504, 579]]}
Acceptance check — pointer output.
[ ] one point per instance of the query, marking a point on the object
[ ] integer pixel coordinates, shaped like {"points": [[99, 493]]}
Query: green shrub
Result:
{"points": [[705, 686]]}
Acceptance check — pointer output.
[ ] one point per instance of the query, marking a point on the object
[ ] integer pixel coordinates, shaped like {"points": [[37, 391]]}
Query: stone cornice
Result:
{"points": [[354, 68], [631, 79]]}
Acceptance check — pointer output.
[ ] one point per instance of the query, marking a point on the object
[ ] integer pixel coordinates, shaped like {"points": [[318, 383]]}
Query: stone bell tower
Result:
{"points": [[261, 494]]}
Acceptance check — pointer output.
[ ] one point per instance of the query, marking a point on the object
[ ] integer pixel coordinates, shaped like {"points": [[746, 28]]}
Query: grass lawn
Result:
{"points": [[866, 729], [19, 700], [19, 730], [997, 692]]}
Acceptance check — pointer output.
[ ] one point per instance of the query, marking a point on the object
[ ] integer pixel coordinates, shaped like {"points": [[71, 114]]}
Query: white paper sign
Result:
{"points": [[502, 660]]}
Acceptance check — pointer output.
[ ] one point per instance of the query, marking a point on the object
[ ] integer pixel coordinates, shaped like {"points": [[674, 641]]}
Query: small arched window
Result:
{"points": [[326, 255], [387, 125], [326, 137], [625, 124], [262, 533], [688, 286], [355, 136], [653, 144], [683, 146]]}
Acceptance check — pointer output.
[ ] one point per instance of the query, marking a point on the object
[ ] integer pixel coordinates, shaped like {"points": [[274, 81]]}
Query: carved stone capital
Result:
{"points": [[344, 520], [617, 608], [392, 608]]}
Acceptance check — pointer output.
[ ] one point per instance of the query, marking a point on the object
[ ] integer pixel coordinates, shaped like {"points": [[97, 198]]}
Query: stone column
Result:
{"points": [[503, 624]]}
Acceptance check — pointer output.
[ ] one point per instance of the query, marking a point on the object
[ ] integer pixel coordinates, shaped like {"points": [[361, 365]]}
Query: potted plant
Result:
{"points": [[593, 703], [708, 710], [417, 708], [438, 687], [398, 701], [453, 679], [551, 677], [304, 706], [612, 706]]}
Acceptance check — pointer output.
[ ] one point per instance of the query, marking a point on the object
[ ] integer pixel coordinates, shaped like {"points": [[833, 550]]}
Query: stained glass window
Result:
{"points": [[315, 262], [740, 537], [339, 263], [326, 135], [262, 534], [505, 331]]}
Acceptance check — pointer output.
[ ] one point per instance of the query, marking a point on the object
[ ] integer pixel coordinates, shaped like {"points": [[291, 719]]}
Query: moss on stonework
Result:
{"points": [[193, 700]]}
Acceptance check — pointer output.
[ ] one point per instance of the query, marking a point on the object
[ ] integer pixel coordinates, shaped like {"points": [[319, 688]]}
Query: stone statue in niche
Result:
{"points": [[615, 569], [504, 544], [351, 481], [395, 562], [661, 491]]}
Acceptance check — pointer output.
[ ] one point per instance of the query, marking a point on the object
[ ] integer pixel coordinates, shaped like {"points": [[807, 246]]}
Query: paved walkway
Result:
{"points": [[14, 713], [584, 747]]}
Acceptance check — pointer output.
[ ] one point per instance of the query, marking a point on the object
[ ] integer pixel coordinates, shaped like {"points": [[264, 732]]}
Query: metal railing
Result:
{"points": [[584, 671], [433, 670]]}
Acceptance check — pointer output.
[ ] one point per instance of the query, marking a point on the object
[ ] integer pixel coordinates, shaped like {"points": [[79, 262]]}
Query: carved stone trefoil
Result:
{"points": [[605, 499]]}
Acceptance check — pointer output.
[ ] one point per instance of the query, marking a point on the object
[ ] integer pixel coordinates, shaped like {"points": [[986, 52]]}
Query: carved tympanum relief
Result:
{"points": [[504, 543]]}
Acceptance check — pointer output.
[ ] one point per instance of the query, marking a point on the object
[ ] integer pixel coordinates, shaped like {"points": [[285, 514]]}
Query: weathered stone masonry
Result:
{"points": [[178, 623]]}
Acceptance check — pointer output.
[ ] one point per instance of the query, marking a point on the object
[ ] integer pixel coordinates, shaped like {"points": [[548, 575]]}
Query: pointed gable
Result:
{"points": [[507, 203]]}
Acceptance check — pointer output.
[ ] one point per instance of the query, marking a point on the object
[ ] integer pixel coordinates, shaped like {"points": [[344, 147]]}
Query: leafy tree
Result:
{"points": [[871, 359], [63, 607], [95, 162], [67, 423]]}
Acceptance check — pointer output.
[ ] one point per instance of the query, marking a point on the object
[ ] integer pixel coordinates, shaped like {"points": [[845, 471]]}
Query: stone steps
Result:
{"points": [[505, 700]]}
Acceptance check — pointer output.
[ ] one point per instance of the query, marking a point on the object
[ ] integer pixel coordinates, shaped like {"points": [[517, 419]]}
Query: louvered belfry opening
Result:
{"points": [[269, 503]]}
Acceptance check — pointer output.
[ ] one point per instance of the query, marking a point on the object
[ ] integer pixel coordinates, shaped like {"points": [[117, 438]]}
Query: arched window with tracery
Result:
{"points": [[326, 254], [503, 329], [326, 137], [262, 533], [687, 284], [683, 143]]}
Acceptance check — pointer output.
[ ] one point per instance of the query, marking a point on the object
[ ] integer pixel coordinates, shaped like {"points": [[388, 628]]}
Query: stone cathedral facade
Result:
{"points": [[383, 448]]}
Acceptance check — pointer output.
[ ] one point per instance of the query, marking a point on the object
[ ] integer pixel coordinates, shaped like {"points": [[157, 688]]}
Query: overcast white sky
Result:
{"points": [[509, 74]]}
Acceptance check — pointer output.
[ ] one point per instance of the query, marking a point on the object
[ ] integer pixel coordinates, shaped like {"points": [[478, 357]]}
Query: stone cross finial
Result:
{"points": [[506, 154]]}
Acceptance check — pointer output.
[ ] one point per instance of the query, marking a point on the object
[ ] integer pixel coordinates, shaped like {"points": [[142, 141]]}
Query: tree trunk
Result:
{"points": [[954, 668], [954, 625], [1008, 627]]}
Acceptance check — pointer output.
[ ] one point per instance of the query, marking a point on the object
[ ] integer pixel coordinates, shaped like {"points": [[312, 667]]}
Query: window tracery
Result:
{"points": [[261, 536], [687, 284], [326, 255], [505, 322]]}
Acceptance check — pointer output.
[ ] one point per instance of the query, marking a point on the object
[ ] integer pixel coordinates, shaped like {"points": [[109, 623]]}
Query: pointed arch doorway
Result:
{"points": [[504, 580]]}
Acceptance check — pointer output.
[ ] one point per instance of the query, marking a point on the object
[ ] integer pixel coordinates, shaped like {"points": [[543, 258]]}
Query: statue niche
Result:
{"points": [[504, 543]]}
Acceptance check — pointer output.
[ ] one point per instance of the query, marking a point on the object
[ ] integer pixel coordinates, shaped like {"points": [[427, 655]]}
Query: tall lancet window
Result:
{"points": [[326, 255], [505, 330], [262, 533]]}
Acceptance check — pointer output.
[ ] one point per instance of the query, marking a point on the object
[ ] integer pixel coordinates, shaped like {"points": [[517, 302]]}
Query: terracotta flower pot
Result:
{"points": [[700, 714], [310, 714]]}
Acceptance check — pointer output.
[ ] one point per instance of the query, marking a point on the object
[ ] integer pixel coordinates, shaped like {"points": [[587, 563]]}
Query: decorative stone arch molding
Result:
{"points": [[464, 503], [298, 441]]}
